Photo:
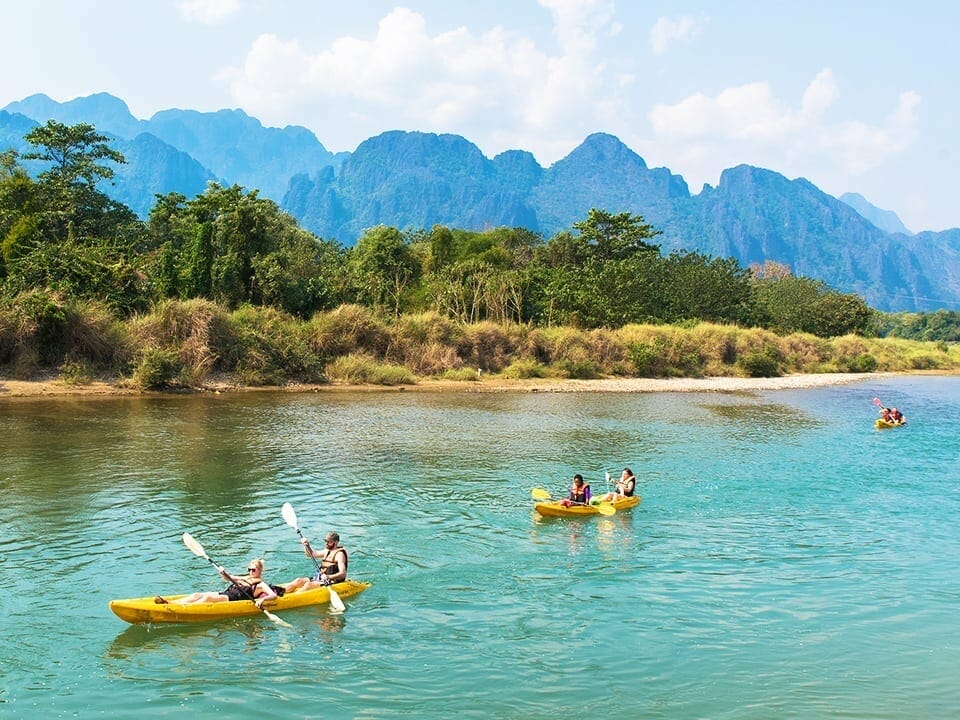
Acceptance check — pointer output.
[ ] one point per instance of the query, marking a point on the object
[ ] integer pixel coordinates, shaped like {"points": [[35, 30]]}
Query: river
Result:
{"points": [[788, 560]]}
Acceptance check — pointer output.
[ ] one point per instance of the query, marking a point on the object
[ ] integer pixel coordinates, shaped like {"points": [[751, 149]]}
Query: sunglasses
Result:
{"points": [[252, 569]]}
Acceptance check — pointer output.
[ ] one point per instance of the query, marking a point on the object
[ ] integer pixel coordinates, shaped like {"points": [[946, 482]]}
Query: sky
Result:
{"points": [[853, 96]]}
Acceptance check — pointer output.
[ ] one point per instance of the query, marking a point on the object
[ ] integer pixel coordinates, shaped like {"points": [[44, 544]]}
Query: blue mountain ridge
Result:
{"points": [[413, 180]]}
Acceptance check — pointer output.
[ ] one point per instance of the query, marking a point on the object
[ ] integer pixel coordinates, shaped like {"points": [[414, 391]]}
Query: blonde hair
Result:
{"points": [[258, 562]]}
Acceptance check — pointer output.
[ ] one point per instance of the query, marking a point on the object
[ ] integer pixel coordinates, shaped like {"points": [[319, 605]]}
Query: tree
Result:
{"points": [[77, 158], [74, 152], [383, 267], [616, 237]]}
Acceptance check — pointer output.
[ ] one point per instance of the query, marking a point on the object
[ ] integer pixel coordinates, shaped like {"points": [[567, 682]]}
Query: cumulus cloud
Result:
{"points": [[496, 87], [750, 124], [666, 31], [207, 12]]}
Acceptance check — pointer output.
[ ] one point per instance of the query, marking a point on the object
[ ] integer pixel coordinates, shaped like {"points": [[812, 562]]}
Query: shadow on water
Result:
{"points": [[762, 419]]}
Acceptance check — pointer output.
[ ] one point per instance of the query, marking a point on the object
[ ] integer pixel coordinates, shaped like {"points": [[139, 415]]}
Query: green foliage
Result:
{"points": [[760, 363], [364, 370], [616, 237], [156, 369], [942, 325], [382, 268], [797, 304]]}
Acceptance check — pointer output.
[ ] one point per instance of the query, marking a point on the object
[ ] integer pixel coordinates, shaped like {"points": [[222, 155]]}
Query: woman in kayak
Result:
{"points": [[246, 587], [333, 565], [625, 486], [579, 493]]}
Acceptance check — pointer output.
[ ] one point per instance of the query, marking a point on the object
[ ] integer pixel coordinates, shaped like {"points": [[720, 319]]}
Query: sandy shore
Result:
{"points": [[56, 388]]}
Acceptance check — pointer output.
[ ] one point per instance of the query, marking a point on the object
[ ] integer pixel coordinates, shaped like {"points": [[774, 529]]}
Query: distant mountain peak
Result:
{"points": [[886, 220]]}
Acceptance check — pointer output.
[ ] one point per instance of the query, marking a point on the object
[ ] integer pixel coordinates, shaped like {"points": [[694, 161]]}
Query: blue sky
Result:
{"points": [[854, 96]]}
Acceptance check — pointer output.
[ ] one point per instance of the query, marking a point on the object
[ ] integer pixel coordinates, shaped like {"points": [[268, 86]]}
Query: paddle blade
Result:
{"points": [[193, 546], [276, 618], [606, 509], [335, 602], [539, 494], [289, 516], [876, 401]]}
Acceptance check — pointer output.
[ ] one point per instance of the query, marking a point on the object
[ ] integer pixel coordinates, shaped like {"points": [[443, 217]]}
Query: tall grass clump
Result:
{"points": [[43, 330], [272, 348], [359, 369], [489, 346], [426, 343], [196, 331], [345, 330]]}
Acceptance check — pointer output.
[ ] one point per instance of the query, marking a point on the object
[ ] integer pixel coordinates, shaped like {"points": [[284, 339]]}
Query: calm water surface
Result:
{"points": [[787, 560]]}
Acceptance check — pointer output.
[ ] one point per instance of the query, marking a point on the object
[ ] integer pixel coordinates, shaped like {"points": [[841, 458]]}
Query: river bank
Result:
{"points": [[57, 388]]}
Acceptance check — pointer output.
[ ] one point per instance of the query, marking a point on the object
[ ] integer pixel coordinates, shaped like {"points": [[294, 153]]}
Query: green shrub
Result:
{"points": [[524, 369], [862, 363], [760, 363], [76, 372], [363, 370], [157, 368], [582, 370]]}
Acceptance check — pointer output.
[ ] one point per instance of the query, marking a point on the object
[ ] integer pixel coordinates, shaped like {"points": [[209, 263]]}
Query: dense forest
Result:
{"points": [[226, 281]]}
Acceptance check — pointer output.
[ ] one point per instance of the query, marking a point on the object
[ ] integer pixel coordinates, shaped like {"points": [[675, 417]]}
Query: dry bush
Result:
{"points": [[717, 343], [803, 352], [490, 346], [361, 369], [426, 343], [199, 331], [347, 329]]}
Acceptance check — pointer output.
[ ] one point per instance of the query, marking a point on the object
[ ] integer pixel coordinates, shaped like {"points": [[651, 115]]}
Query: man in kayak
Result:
{"points": [[246, 587], [896, 416], [625, 486], [333, 564], [579, 493]]}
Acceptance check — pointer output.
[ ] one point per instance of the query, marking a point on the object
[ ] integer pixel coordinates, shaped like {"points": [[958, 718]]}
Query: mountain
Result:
{"points": [[884, 219], [229, 144], [235, 146], [153, 167], [413, 180]]}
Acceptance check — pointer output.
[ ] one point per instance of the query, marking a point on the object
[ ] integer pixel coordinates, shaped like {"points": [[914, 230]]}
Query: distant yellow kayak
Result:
{"points": [[882, 424], [554, 509], [146, 610]]}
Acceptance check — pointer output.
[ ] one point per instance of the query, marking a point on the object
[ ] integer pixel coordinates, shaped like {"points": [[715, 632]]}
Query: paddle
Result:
{"points": [[197, 549], [290, 518], [603, 508]]}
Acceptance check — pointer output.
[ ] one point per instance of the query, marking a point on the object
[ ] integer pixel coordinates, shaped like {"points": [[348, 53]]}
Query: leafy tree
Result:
{"points": [[616, 237], [696, 286], [383, 267], [799, 304]]}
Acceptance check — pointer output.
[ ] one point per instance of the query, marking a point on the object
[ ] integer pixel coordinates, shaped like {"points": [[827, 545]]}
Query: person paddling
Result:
{"points": [[333, 564], [579, 493], [625, 487], [245, 587]]}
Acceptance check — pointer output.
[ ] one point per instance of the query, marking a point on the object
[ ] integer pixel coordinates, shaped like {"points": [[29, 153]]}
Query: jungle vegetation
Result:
{"points": [[226, 283]]}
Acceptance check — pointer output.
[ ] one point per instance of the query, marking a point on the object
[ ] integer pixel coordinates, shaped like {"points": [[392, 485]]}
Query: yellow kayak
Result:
{"points": [[882, 424], [146, 610], [554, 509]]}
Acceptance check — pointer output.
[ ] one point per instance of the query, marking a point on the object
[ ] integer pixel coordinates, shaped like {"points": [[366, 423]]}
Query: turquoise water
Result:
{"points": [[788, 560]]}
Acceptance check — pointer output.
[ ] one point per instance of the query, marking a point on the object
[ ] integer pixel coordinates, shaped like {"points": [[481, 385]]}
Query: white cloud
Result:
{"points": [[749, 124], [495, 88], [207, 12], [665, 31]]}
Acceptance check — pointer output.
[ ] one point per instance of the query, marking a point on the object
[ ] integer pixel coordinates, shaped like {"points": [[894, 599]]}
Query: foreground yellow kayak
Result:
{"points": [[554, 509], [146, 610]]}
